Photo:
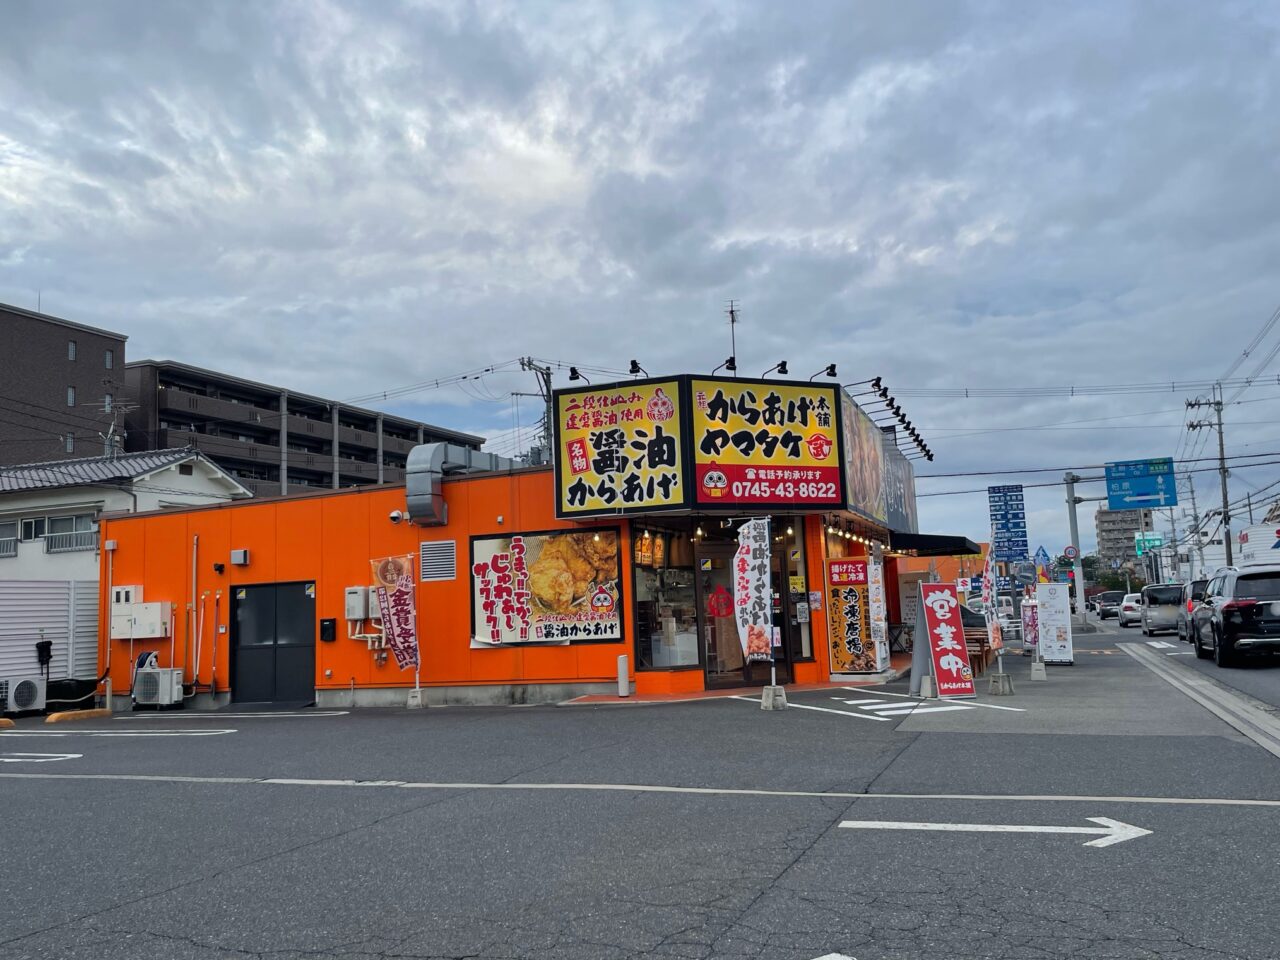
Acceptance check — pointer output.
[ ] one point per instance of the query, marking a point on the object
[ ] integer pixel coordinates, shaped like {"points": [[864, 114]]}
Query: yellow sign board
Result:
{"points": [[618, 449], [765, 444]]}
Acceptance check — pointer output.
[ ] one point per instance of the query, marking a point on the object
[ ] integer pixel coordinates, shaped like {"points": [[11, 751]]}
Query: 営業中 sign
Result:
{"points": [[944, 632]]}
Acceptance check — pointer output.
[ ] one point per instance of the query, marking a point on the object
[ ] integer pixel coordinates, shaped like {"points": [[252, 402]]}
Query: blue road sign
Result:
{"points": [[1140, 484], [1008, 512]]}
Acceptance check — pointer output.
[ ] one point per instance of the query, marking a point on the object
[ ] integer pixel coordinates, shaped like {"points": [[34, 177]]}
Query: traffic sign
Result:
{"points": [[1144, 542], [1070, 552], [1008, 512], [1137, 484]]}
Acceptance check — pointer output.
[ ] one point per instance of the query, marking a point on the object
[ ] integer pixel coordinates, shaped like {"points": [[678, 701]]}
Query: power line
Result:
{"points": [[1090, 466], [1059, 483]]}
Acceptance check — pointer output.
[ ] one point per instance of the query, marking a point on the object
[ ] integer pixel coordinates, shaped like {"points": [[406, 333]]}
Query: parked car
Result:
{"points": [[1239, 615], [1192, 594], [1108, 603], [1161, 603], [1130, 611]]}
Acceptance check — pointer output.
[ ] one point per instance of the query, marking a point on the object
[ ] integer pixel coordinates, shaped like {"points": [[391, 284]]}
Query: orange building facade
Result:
{"points": [[209, 563], [715, 532]]}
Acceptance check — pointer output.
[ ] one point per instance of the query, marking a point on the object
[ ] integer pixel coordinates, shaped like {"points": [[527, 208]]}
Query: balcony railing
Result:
{"points": [[9, 547], [70, 542]]}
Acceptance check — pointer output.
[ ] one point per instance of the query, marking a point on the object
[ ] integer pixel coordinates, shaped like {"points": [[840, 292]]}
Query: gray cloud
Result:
{"points": [[344, 196]]}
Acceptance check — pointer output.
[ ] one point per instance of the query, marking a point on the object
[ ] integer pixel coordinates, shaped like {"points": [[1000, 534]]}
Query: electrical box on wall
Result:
{"points": [[357, 603], [239, 558], [140, 621], [126, 595]]}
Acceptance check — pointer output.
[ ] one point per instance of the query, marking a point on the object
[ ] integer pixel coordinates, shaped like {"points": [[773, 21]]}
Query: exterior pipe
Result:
{"points": [[213, 677], [191, 610]]}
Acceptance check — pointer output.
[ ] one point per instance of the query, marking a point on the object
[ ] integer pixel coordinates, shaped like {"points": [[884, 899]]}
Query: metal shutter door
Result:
{"points": [[84, 636], [32, 610]]}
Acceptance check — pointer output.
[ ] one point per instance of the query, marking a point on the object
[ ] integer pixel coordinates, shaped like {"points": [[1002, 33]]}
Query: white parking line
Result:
{"points": [[907, 696], [805, 706], [37, 757], [113, 733], [1159, 644], [644, 788], [219, 715]]}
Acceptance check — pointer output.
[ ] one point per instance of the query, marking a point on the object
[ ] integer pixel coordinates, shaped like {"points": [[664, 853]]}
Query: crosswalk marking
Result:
{"points": [[1160, 644]]}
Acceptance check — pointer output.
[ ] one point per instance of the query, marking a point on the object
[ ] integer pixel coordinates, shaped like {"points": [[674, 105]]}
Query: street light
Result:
{"points": [[780, 366]]}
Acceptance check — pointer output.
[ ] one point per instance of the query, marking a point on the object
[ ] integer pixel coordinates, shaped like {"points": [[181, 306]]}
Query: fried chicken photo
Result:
{"points": [[757, 641], [569, 565]]}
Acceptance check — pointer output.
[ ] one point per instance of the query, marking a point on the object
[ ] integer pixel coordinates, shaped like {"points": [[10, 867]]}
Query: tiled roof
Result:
{"points": [[122, 468]]}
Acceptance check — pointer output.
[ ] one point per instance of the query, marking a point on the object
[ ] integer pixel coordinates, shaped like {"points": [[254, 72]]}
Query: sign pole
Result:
{"points": [[1076, 562]]}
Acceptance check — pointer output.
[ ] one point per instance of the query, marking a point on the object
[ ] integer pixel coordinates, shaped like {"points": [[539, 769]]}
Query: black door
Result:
{"points": [[273, 650]]}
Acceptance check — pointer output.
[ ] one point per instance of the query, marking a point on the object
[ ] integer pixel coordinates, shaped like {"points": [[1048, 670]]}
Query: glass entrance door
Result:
{"points": [[719, 645]]}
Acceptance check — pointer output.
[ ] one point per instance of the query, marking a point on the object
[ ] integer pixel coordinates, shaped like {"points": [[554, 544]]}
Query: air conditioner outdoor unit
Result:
{"points": [[156, 686], [22, 693]]}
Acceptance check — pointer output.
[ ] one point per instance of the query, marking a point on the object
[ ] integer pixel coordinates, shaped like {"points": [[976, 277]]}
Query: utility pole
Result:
{"points": [[1077, 564], [1195, 518], [1175, 567], [544, 390], [1216, 404], [1249, 497]]}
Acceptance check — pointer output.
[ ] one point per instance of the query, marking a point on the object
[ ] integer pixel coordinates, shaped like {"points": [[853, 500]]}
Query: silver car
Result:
{"points": [[1161, 605]]}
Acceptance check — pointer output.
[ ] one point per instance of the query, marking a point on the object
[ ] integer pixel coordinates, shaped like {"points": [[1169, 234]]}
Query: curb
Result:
{"points": [[64, 716]]}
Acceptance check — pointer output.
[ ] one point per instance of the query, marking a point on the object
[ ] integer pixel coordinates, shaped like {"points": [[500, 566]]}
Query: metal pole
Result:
{"points": [[1077, 563], [1249, 497], [1173, 547], [1195, 518], [1222, 472]]}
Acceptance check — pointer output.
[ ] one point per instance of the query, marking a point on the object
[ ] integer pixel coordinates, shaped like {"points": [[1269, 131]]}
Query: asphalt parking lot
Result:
{"points": [[860, 823]]}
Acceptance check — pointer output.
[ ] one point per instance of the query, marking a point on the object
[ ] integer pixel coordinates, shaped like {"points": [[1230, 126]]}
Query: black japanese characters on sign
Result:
{"points": [[618, 449]]}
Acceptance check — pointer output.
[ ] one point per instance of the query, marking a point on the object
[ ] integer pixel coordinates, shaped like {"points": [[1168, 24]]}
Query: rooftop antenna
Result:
{"points": [[732, 311]]}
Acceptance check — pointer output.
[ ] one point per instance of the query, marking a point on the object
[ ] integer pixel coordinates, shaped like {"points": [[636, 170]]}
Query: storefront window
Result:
{"points": [[666, 605]]}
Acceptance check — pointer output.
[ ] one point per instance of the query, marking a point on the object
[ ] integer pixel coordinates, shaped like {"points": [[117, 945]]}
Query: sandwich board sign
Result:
{"points": [[938, 644]]}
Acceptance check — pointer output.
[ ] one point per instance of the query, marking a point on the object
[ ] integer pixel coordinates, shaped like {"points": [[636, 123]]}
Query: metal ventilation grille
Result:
{"points": [[438, 560], [148, 686], [26, 694], [4, 694]]}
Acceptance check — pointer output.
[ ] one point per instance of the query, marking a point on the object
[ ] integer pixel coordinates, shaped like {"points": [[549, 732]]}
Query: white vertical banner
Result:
{"points": [[752, 592], [879, 611], [1054, 608]]}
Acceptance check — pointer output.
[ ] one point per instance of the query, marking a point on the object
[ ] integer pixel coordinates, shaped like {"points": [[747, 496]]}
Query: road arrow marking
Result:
{"points": [[37, 757], [1112, 831]]}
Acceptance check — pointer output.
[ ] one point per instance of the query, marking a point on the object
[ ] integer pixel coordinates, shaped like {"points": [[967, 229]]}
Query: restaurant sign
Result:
{"points": [[863, 461], [944, 632], [618, 449], [762, 443], [853, 649], [546, 588]]}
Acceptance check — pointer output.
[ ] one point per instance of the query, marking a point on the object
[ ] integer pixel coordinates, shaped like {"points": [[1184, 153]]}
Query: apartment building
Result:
{"points": [[1115, 530], [59, 383], [271, 439]]}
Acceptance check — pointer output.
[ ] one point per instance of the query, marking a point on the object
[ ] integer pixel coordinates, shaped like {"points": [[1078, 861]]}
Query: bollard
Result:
{"points": [[624, 684]]}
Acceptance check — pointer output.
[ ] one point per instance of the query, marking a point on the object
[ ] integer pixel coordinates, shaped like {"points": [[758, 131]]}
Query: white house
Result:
{"points": [[49, 550]]}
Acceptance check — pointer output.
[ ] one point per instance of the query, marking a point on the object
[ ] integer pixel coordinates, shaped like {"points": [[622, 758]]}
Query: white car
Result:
{"points": [[1131, 609]]}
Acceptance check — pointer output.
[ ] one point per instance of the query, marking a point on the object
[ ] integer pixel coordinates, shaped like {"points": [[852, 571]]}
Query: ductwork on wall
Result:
{"points": [[425, 470]]}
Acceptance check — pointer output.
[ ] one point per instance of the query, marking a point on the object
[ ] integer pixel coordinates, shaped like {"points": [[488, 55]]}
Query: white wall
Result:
{"points": [[166, 488]]}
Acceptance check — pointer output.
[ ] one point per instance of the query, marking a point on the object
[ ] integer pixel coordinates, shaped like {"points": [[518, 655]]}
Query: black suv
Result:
{"points": [[1108, 603], [1240, 614]]}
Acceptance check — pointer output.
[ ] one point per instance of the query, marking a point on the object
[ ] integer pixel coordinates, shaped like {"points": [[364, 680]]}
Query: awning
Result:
{"points": [[932, 544]]}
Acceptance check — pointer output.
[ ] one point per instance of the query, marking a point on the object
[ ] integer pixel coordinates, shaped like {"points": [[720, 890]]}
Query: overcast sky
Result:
{"points": [[344, 197]]}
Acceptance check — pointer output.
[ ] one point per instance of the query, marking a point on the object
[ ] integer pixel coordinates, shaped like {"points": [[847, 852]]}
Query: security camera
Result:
{"points": [[396, 516]]}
